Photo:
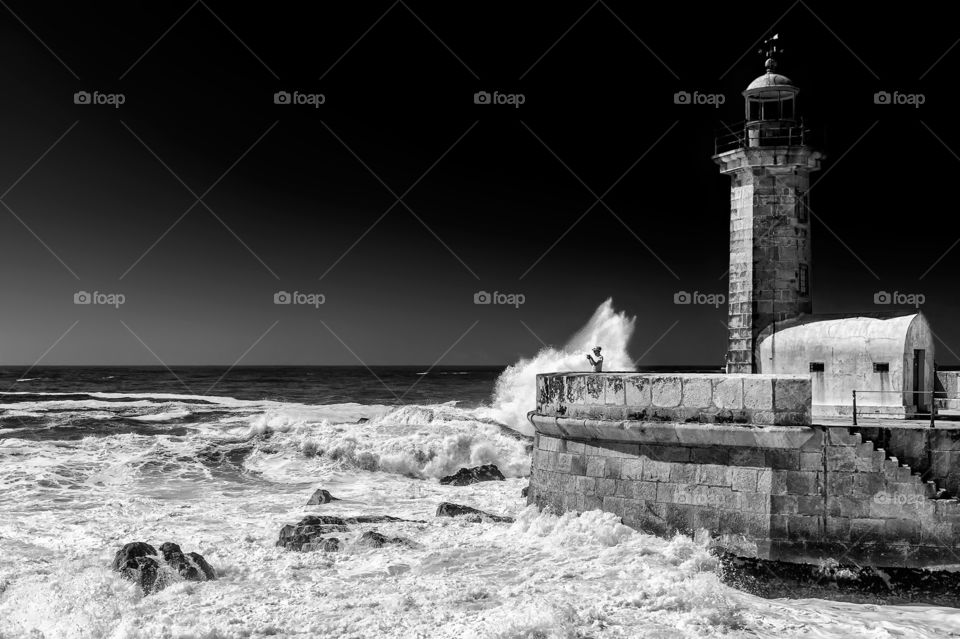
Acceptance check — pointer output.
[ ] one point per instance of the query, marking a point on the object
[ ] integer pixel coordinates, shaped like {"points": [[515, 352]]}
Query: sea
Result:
{"points": [[219, 459]]}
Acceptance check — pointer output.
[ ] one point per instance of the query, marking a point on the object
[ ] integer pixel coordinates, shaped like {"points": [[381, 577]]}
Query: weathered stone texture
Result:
{"points": [[833, 494], [689, 397]]}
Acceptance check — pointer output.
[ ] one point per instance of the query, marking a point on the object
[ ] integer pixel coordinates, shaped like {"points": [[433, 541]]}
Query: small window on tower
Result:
{"points": [[800, 203], [816, 367], [803, 280], [881, 367]]}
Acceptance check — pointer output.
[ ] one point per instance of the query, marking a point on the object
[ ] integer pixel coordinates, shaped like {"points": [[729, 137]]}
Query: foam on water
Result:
{"points": [[221, 476], [515, 393], [415, 441]]}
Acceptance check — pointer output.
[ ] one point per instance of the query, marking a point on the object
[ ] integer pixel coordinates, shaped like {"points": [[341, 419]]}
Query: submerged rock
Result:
{"points": [[321, 496], [130, 552], [137, 562], [447, 509], [141, 563], [191, 566], [331, 544], [467, 476], [374, 539], [313, 532]]}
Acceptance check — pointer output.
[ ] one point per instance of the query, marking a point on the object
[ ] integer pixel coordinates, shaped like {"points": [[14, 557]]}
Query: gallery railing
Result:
{"points": [[933, 411], [742, 137]]}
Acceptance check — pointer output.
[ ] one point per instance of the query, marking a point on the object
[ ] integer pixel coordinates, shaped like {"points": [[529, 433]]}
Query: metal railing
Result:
{"points": [[933, 410], [745, 137]]}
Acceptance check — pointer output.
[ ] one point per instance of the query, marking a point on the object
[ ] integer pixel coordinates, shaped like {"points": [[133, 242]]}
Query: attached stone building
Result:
{"points": [[886, 358]]}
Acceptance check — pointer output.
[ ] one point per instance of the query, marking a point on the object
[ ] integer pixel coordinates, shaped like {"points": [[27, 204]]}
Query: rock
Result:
{"points": [[201, 563], [525, 491], [838, 582], [190, 566], [311, 533], [331, 544], [130, 552], [467, 476], [374, 539], [363, 420], [446, 509], [141, 563], [321, 496], [145, 574], [137, 562]]}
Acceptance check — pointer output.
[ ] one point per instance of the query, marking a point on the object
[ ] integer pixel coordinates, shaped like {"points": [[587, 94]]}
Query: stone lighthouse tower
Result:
{"points": [[769, 161]]}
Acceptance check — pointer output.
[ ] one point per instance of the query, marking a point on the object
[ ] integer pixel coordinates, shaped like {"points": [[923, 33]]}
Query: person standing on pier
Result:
{"points": [[598, 362]]}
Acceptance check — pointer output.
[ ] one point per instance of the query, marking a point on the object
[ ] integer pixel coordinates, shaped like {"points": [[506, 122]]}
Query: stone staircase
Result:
{"points": [[890, 466]]}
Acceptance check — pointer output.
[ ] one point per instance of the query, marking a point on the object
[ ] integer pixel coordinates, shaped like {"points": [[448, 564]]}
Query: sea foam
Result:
{"points": [[515, 393]]}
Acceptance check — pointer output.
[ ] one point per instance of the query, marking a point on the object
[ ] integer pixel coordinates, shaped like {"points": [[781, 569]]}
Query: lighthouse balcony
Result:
{"points": [[761, 134]]}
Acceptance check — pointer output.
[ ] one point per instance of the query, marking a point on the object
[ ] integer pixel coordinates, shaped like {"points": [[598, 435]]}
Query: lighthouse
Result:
{"points": [[769, 159]]}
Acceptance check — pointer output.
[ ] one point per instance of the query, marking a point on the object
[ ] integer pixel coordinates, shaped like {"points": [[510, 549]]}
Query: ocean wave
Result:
{"points": [[166, 416], [414, 441], [515, 393]]}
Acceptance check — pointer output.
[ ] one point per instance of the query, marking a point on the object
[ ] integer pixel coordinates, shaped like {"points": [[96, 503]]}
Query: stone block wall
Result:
{"points": [[822, 494], [947, 389], [701, 398]]}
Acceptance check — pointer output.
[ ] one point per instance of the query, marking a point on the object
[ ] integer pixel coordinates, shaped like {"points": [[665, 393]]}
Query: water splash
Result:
{"points": [[515, 392]]}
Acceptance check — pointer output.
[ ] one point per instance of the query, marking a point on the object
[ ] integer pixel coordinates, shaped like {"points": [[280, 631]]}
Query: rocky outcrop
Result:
{"points": [[467, 476], [151, 570], [318, 532], [833, 581], [191, 566], [137, 562], [447, 509], [321, 496]]}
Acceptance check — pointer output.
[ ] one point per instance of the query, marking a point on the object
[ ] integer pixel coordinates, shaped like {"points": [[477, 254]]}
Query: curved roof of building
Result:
{"points": [[880, 332], [770, 80]]}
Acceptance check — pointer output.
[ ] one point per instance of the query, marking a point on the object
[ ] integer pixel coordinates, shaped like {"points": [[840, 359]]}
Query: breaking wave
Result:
{"points": [[515, 392]]}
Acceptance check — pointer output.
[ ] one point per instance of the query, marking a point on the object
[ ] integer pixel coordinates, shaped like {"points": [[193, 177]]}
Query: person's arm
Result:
{"points": [[590, 359]]}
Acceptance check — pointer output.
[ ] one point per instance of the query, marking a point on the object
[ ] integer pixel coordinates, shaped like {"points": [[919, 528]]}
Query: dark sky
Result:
{"points": [[489, 199]]}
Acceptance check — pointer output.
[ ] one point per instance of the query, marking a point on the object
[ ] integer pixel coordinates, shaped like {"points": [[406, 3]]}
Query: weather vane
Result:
{"points": [[771, 47]]}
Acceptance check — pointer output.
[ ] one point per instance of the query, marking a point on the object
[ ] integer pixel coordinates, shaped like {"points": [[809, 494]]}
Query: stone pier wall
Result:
{"points": [[704, 398], [797, 493]]}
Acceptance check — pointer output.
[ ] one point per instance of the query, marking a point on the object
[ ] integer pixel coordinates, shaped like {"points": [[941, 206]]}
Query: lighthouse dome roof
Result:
{"points": [[770, 80]]}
